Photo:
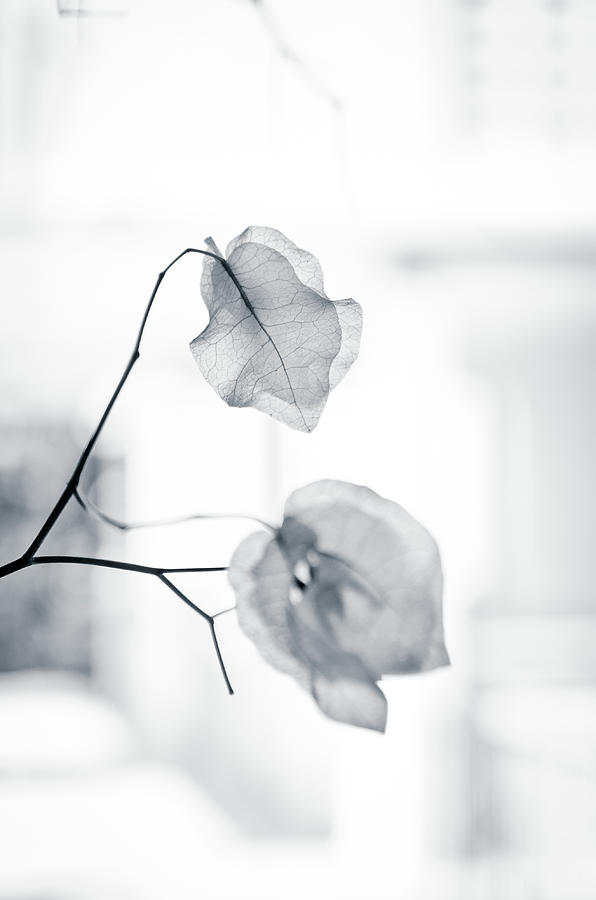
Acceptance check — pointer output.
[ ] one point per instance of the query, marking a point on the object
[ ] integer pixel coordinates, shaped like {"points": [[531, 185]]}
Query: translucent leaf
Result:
{"points": [[346, 591], [262, 580], [274, 339], [392, 581], [305, 265]]}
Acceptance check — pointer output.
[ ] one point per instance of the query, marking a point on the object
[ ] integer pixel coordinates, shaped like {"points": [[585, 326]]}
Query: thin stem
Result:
{"points": [[222, 612], [73, 482], [89, 506], [195, 569], [220, 657], [94, 561], [178, 592], [18, 564], [209, 619]]}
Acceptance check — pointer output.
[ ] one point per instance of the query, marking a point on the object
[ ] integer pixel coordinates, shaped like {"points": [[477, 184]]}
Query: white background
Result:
{"points": [[451, 195]]}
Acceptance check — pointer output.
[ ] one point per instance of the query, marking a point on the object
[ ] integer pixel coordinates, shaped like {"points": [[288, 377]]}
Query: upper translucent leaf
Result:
{"points": [[274, 339], [349, 589]]}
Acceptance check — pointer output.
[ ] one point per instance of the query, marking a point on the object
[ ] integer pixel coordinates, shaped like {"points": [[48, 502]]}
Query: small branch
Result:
{"points": [[120, 525], [220, 658], [94, 561], [169, 584], [18, 565], [222, 612], [115, 564], [183, 597]]}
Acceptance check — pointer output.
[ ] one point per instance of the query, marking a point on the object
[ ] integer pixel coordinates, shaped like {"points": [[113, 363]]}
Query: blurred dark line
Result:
{"points": [[287, 52], [79, 12], [521, 249], [319, 87]]}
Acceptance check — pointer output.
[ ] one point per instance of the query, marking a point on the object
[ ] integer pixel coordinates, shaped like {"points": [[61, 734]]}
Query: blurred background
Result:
{"points": [[438, 158]]}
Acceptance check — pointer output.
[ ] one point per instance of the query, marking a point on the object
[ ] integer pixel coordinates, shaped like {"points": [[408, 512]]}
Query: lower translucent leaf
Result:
{"points": [[347, 590]]}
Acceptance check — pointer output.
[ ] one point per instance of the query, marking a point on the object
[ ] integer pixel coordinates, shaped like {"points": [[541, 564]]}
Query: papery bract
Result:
{"points": [[347, 590], [274, 339]]}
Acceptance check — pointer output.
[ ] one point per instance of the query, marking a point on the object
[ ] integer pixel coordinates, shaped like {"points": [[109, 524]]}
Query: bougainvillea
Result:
{"points": [[274, 341], [347, 590]]}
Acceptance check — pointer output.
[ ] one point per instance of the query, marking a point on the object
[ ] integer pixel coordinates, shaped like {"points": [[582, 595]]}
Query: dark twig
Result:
{"points": [[183, 597], [209, 619], [19, 564], [220, 657]]}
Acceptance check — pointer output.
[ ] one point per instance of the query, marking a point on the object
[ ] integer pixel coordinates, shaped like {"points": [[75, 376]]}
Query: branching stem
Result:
{"points": [[20, 564], [208, 618], [30, 558]]}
